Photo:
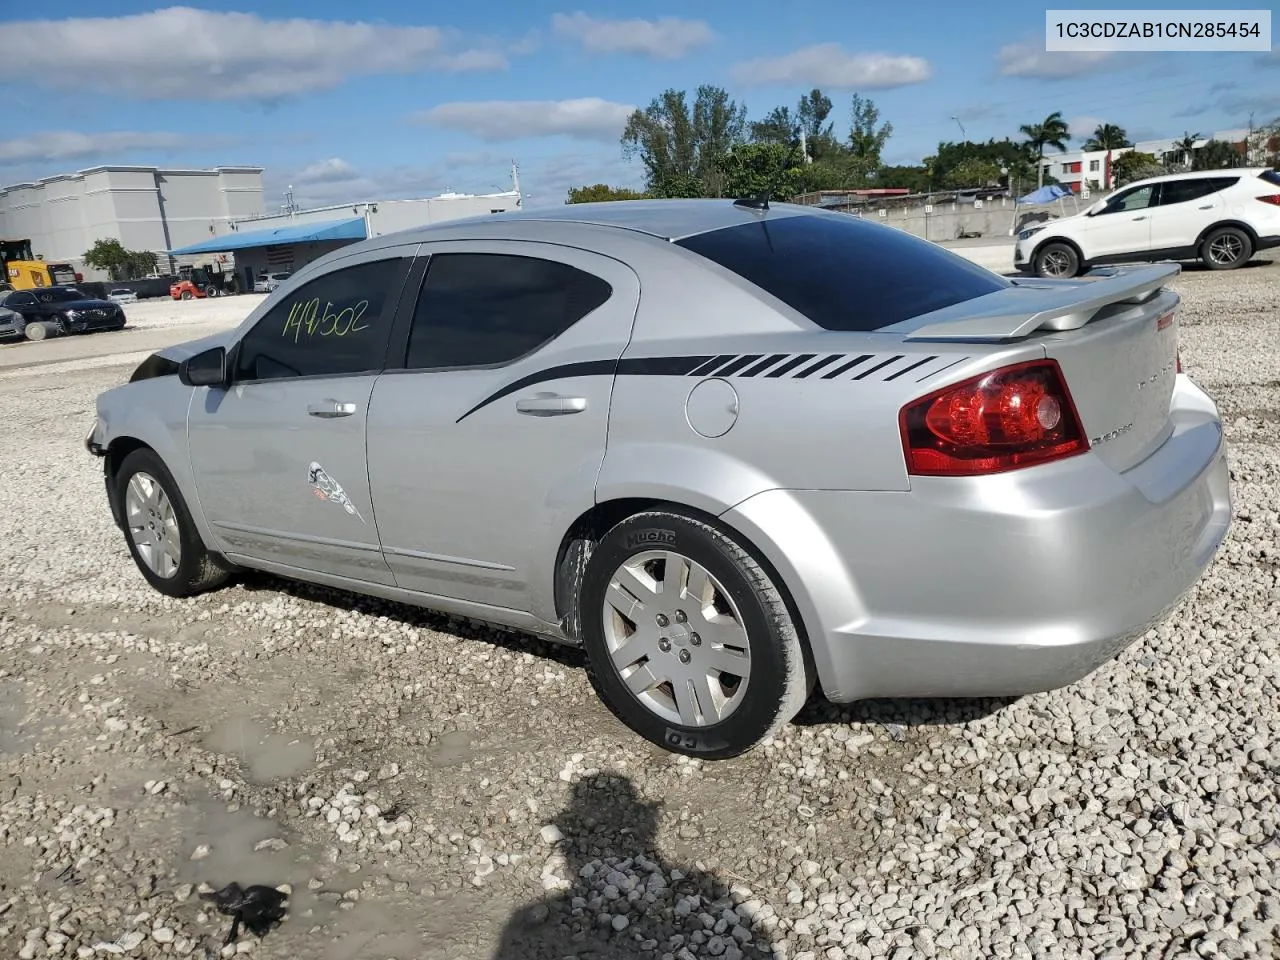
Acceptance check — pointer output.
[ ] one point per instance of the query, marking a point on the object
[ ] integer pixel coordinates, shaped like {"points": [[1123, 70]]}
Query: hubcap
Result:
{"points": [[1056, 263], [153, 525], [1225, 249], [676, 639]]}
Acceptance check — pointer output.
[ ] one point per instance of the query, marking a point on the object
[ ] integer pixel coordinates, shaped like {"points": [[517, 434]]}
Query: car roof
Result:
{"points": [[663, 219], [1197, 174]]}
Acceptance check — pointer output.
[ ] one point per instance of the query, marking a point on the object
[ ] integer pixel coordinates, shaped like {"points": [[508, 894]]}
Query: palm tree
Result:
{"points": [[1050, 132], [1186, 147], [1107, 136]]}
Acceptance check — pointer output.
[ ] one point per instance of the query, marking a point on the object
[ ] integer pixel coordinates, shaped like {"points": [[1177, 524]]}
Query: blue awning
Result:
{"points": [[1046, 194], [352, 229]]}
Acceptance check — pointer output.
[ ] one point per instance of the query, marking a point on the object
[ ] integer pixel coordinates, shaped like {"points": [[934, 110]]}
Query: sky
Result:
{"points": [[346, 102]]}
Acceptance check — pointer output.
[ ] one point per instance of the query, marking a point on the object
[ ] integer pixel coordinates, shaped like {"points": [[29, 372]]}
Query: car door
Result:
{"points": [[486, 445], [1123, 226], [279, 456], [1186, 208]]}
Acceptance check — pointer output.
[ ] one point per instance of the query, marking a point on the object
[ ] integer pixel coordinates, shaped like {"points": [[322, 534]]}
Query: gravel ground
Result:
{"points": [[426, 788]]}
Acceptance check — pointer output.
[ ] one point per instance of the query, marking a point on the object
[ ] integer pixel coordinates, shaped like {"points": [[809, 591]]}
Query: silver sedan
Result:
{"points": [[735, 452]]}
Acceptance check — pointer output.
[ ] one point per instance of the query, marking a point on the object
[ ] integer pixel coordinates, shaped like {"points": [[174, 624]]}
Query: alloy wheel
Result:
{"points": [[1226, 249], [153, 525]]}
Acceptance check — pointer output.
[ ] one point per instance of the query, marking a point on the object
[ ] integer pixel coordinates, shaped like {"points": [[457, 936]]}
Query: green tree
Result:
{"points": [[867, 137], [1052, 131], [678, 146], [1186, 148], [1107, 136], [121, 264], [973, 172], [1216, 155], [1134, 165], [772, 169], [600, 192], [1014, 157], [778, 126]]}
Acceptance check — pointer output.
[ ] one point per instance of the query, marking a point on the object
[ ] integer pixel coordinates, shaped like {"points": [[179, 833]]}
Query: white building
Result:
{"points": [[146, 208], [1076, 168], [289, 241]]}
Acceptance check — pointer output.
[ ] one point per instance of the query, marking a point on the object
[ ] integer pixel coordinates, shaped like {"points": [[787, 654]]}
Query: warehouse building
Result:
{"points": [[146, 208], [289, 241]]}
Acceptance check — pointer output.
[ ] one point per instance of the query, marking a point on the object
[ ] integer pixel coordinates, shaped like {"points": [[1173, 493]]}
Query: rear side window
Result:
{"points": [[336, 324], [844, 273], [1183, 191], [485, 309], [1271, 176]]}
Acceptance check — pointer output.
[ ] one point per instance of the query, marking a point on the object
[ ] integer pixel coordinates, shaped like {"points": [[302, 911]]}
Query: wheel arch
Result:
{"points": [[1238, 224], [586, 531]]}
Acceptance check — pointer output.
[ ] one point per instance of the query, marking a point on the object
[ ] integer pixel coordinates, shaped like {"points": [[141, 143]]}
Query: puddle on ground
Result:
{"points": [[453, 748], [266, 756]]}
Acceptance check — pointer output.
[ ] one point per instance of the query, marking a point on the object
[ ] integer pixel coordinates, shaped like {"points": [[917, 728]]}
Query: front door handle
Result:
{"points": [[550, 405], [1207, 206], [329, 409], [1139, 218]]}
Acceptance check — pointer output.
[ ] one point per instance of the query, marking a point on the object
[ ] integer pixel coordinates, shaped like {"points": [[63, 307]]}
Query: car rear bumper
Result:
{"points": [[1001, 585]]}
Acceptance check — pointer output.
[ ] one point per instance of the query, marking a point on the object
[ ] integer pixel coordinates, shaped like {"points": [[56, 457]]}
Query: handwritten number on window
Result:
{"points": [[306, 320]]}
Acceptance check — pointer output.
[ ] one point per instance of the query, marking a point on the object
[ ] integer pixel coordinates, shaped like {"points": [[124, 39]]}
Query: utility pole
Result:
{"points": [[515, 182]]}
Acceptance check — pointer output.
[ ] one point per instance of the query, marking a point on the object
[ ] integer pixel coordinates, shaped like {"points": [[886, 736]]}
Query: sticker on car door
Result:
{"points": [[327, 488]]}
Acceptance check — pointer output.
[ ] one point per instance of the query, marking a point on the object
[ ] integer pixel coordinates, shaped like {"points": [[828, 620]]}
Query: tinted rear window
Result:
{"points": [[844, 273], [1271, 177]]}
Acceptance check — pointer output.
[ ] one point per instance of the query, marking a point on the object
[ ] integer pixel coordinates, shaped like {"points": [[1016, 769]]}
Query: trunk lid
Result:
{"points": [[1114, 337]]}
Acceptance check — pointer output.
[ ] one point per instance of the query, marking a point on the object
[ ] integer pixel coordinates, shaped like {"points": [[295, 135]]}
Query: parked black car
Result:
{"points": [[54, 310]]}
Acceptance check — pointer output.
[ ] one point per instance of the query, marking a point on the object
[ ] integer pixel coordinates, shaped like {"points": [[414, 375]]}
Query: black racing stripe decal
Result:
{"points": [[764, 364], [934, 373], [849, 365], [586, 368], [790, 365], [711, 364], [908, 369], [815, 367], [879, 366], [661, 366], [737, 365]]}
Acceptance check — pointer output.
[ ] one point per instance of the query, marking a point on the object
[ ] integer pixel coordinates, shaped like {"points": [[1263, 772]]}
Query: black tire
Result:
{"points": [[35, 330], [1057, 261], [198, 570], [778, 683], [1226, 248]]}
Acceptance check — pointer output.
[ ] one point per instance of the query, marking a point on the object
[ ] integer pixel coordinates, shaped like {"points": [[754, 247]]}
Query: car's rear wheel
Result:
{"points": [[161, 536], [1226, 248], [186, 294], [688, 640], [1057, 261], [35, 330]]}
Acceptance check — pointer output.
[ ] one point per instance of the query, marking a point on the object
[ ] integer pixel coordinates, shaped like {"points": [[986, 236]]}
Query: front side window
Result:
{"points": [[486, 309], [1138, 199], [337, 324]]}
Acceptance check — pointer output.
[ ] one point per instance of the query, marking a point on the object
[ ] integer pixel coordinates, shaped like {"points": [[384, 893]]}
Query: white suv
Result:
{"points": [[1222, 217]]}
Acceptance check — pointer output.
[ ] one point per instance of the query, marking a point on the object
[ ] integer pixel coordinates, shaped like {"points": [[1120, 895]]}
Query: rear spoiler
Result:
{"points": [[1031, 305]]}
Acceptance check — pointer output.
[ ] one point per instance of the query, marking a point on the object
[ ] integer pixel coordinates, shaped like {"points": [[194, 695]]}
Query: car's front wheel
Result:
{"points": [[161, 536], [688, 640], [1226, 248], [1057, 261], [186, 294]]}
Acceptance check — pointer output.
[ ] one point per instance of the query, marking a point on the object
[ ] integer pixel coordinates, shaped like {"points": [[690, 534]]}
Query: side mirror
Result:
{"points": [[207, 369]]}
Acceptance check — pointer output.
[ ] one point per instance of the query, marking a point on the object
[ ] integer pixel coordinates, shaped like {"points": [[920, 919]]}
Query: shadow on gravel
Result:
{"points": [[618, 897], [889, 714], [1197, 266]]}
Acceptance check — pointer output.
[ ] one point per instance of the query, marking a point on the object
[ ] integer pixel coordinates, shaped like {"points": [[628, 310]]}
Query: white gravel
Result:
{"points": [[426, 788]]}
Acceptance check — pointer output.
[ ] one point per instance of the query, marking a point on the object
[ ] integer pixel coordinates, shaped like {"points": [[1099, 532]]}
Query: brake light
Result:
{"points": [[1271, 198], [1017, 416], [1179, 358]]}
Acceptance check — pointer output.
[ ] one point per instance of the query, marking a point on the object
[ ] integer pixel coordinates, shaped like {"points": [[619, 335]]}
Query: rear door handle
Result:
{"points": [[329, 409], [1139, 218], [550, 405], [1207, 206]]}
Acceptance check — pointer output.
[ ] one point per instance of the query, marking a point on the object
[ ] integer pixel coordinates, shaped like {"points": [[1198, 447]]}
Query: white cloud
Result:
{"points": [[587, 118], [390, 183], [828, 65], [184, 53], [332, 170], [1032, 60], [669, 38], [1082, 127], [58, 145]]}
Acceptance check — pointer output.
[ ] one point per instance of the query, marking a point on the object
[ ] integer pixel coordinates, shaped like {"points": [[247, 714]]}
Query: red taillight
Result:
{"points": [[1017, 416], [1271, 198], [1179, 357]]}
